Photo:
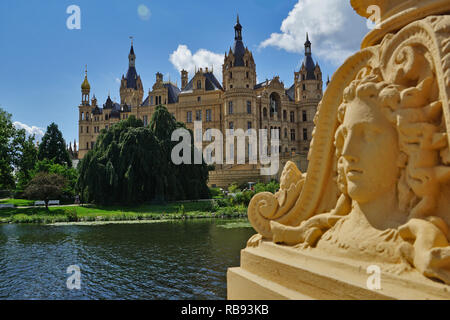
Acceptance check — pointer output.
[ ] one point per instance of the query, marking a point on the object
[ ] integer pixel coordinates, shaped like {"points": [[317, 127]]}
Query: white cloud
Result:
{"points": [[335, 30], [182, 58], [38, 132], [144, 12]]}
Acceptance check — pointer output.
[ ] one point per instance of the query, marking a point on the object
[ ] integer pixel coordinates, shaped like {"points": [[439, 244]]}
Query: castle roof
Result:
{"points": [[308, 61], [291, 93], [238, 46], [211, 83], [132, 78]]}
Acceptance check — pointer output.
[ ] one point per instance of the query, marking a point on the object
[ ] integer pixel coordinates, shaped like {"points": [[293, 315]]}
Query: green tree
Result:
{"points": [[132, 164], [26, 161], [70, 174], [53, 146], [45, 186], [8, 150]]}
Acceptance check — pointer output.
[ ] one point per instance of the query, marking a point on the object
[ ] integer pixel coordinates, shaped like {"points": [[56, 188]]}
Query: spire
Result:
{"points": [[307, 45], [238, 30], [131, 56]]}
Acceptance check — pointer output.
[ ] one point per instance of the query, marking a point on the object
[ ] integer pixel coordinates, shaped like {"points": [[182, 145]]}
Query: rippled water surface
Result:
{"points": [[170, 260]]}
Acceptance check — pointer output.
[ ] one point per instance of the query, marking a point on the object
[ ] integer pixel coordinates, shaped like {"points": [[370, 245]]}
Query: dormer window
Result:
{"points": [[199, 84]]}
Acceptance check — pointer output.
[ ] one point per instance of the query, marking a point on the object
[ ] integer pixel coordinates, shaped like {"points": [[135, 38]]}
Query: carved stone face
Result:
{"points": [[370, 151]]}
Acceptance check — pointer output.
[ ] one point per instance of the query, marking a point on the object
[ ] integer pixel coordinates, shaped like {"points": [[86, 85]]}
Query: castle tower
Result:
{"points": [[85, 117], [239, 80], [131, 89], [85, 90], [308, 80], [184, 79]]}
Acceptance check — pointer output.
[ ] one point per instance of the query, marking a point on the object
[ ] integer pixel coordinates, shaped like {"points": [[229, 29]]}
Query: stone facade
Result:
{"points": [[238, 102]]}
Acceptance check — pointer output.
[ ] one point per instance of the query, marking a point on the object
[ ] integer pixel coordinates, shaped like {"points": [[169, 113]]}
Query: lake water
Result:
{"points": [[169, 260]]}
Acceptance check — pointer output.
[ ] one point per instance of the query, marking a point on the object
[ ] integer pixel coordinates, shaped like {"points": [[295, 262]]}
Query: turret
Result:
{"points": [[308, 80], [184, 79], [131, 88], [85, 90]]}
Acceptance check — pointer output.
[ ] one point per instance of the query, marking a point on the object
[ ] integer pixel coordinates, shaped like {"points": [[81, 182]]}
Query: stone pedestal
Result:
{"points": [[273, 272]]}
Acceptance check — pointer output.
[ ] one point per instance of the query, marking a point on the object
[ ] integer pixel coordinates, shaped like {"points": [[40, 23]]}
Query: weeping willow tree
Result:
{"points": [[131, 164]]}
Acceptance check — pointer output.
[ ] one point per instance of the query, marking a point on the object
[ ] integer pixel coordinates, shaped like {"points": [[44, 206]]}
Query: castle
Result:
{"points": [[238, 102]]}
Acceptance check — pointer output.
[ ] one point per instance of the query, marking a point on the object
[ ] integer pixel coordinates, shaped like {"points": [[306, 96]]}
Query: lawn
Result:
{"points": [[18, 202], [185, 210]]}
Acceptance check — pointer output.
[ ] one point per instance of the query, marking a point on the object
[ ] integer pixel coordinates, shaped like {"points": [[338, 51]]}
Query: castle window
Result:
{"points": [[82, 116], [151, 100], [87, 145], [208, 115], [198, 115], [292, 116], [92, 144], [265, 112], [285, 133], [249, 107], [304, 86], [199, 99], [106, 117], [284, 115], [303, 77], [231, 75], [189, 117], [231, 125], [199, 84], [87, 129], [249, 125], [246, 74], [248, 86], [305, 134], [81, 129], [292, 134], [304, 116], [230, 107], [246, 64], [231, 86]]}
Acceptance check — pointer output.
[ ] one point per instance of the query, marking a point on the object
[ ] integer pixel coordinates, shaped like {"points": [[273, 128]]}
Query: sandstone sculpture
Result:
{"points": [[378, 183]]}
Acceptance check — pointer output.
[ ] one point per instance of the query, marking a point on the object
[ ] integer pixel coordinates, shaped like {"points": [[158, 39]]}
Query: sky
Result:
{"points": [[42, 61]]}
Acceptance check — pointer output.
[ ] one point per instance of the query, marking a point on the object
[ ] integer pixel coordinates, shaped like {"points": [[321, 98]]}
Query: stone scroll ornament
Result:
{"points": [[378, 183]]}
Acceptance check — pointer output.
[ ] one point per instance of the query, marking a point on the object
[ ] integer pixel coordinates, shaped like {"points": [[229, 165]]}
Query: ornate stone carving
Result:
{"points": [[378, 184]]}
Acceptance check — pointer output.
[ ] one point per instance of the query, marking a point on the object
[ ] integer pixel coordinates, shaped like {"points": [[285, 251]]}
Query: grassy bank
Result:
{"points": [[188, 210]]}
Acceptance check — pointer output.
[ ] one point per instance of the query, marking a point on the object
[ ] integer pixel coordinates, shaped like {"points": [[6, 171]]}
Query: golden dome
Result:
{"points": [[85, 85]]}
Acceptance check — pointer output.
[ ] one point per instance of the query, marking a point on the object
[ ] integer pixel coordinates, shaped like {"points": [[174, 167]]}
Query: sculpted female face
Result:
{"points": [[369, 151]]}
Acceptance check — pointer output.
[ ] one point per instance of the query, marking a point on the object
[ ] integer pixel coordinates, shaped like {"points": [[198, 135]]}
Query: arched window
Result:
{"points": [[274, 103], [265, 112], [284, 115]]}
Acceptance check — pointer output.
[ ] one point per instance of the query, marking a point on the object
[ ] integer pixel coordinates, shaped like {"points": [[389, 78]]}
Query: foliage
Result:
{"points": [[16, 152], [26, 161], [53, 147], [203, 209], [70, 174], [233, 188], [46, 186], [131, 164]]}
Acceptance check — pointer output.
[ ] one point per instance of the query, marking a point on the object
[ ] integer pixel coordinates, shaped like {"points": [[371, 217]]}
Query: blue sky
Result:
{"points": [[42, 61]]}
